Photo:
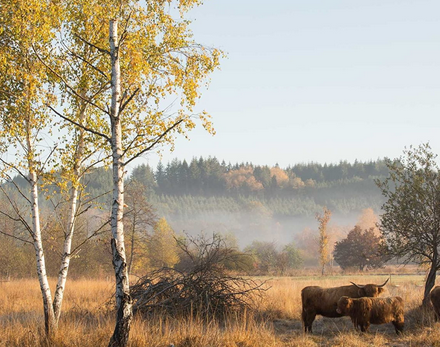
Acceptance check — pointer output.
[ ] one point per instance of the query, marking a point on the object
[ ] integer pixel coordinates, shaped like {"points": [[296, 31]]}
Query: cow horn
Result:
{"points": [[385, 282], [360, 287]]}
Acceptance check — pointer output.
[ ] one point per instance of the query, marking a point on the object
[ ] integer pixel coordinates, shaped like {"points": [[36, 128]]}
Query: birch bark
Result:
{"points": [[49, 317], [67, 247], [123, 299]]}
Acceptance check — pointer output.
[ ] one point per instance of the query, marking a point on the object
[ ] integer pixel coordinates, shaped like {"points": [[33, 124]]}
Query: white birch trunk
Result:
{"points": [[65, 261], [123, 299], [49, 317]]}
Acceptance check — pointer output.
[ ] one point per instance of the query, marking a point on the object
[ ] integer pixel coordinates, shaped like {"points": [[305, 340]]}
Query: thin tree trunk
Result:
{"points": [[430, 280], [133, 231], [65, 262], [50, 323], [123, 299], [49, 317]]}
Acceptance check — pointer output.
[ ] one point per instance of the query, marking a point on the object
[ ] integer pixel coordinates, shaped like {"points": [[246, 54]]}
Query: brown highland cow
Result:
{"points": [[366, 311], [435, 300], [323, 301]]}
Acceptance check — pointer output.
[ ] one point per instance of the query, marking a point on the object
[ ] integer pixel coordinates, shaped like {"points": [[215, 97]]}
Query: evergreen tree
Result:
{"points": [[145, 175]]}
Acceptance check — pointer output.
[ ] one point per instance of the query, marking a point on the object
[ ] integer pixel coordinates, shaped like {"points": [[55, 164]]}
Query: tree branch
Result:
{"points": [[16, 237], [95, 233], [15, 169], [68, 85], [123, 105], [154, 143], [86, 61], [17, 212], [80, 125], [92, 45]]}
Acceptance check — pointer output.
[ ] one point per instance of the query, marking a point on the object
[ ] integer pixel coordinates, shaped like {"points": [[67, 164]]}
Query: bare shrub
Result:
{"points": [[200, 285]]}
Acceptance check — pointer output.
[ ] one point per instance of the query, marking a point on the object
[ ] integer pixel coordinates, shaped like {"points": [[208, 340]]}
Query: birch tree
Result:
{"points": [[27, 27], [81, 148], [151, 65], [27, 45]]}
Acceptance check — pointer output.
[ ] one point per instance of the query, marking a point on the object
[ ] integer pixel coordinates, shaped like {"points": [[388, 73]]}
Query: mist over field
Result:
{"points": [[251, 226]]}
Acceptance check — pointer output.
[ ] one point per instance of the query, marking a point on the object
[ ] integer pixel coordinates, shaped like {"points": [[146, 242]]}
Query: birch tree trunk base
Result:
{"points": [[123, 322]]}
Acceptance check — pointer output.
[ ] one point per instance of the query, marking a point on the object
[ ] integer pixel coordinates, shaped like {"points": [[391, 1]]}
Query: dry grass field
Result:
{"points": [[87, 321]]}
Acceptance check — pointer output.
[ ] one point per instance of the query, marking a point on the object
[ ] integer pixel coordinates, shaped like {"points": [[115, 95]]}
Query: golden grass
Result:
{"points": [[87, 321]]}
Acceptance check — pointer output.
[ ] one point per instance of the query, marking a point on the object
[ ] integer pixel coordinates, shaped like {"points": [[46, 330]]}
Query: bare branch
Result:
{"points": [[95, 233], [15, 169], [11, 181], [159, 138], [16, 237], [69, 87], [92, 45], [80, 125], [86, 61], [41, 169], [123, 105], [96, 197], [125, 31], [17, 212]]}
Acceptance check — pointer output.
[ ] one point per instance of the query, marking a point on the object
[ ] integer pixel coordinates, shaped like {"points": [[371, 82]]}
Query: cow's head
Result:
{"points": [[344, 305], [370, 290]]}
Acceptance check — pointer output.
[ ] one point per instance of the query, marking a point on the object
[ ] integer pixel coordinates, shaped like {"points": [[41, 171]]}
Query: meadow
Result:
{"points": [[88, 320]]}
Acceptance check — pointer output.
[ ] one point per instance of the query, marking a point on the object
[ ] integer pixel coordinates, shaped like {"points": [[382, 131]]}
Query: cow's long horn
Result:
{"points": [[385, 282], [360, 287]]}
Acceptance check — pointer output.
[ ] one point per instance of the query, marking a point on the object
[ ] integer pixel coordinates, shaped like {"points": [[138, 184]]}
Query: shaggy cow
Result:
{"points": [[435, 300], [323, 301], [366, 311]]}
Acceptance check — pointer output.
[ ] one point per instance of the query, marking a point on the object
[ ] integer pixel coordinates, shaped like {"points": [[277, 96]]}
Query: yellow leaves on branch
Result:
{"points": [[28, 30], [162, 68], [53, 51], [159, 56]]}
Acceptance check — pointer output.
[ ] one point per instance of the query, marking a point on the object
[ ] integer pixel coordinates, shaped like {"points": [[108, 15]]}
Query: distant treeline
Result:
{"points": [[180, 188]]}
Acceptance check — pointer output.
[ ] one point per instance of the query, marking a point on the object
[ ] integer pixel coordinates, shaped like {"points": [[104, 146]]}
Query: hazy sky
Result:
{"points": [[318, 80]]}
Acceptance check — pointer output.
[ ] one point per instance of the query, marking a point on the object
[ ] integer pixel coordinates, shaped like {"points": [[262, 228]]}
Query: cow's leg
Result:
{"points": [[398, 325], [436, 315], [308, 316], [365, 327], [355, 324]]}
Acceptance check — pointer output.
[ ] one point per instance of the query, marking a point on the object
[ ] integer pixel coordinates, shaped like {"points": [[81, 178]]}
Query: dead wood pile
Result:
{"points": [[200, 287]]}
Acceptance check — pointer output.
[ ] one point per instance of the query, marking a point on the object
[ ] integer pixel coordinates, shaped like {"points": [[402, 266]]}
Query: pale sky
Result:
{"points": [[318, 80]]}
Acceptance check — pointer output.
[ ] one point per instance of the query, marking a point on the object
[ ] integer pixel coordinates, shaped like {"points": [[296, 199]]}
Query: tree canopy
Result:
{"points": [[361, 249], [410, 222]]}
